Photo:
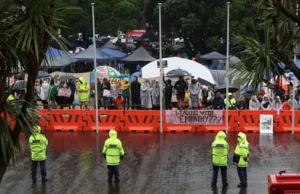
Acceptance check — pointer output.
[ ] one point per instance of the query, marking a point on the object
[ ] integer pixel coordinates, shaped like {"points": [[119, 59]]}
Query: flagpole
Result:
{"points": [[95, 66], [227, 66], [161, 71]]}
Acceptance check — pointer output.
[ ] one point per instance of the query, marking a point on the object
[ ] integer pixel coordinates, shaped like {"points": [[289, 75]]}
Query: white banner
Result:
{"points": [[194, 117], [266, 124]]}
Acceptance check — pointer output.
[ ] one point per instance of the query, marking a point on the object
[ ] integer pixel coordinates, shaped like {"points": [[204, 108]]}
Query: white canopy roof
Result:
{"points": [[195, 69]]}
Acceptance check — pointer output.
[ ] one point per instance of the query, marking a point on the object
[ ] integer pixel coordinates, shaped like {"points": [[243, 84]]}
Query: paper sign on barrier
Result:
{"points": [[194, 117], [266, 124]]}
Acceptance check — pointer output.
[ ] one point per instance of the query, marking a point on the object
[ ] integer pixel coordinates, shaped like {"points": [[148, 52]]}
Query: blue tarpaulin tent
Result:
{"points": [[57, 58], [88, 55], [113, 53]]}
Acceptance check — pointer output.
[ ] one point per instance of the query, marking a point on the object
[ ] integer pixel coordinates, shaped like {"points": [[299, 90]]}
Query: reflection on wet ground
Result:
{"points": [[154, 164]]}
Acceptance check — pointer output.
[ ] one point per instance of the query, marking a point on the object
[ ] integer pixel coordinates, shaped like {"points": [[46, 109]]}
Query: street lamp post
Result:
{"points": [[227, 66], [95, 66], [161, 71]]}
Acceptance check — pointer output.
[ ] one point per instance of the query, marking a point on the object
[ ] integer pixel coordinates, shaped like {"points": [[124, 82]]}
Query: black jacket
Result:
{"points": [[135, 89]]}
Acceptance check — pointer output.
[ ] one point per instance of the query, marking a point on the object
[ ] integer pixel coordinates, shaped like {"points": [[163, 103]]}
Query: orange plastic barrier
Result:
{"points": [[108, 119], [173, 128], [285, 121], [249, 120], [141, 121], [284, 183], [66, 120], [44, 118], [181, 128], [233, 116]]}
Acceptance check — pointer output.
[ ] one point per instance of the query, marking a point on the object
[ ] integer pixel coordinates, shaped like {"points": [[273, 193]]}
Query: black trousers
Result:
{"points": [[242, 172], [113, 172], [45, 104], [135, 102], [223, 174], [168, 102], [34, 165]]}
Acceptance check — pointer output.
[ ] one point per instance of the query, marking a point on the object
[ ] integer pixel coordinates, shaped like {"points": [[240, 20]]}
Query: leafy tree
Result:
{"points": [[261, 59], [27, 37], [201, 23]]}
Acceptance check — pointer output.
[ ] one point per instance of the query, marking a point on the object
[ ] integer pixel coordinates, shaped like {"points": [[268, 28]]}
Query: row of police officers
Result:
{"points": [[113, 152]]}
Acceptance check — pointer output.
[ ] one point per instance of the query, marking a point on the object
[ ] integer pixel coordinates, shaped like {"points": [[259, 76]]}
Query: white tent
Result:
{"points": [[151, 70]]}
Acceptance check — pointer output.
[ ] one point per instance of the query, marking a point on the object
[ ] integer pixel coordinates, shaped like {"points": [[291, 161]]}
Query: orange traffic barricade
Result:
{"points": [[249, 120], [108, 119], [66, 120], [141, 121], [232, 123], [285, 121], [284, 183], [44, 118], [174, 128]]}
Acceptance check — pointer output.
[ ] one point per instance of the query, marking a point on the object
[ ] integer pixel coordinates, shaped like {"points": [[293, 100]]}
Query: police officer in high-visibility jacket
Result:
{"points": [[220, 149], [38, 145], [241, 158], [113, 151]]}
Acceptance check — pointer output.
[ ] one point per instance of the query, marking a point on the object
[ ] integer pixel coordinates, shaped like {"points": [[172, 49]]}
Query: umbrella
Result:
{"points": [[19, 85], [107, 72], [137, 74], [177, 73], [195, 69], [232, 89], [43, 74], [66, 76]]}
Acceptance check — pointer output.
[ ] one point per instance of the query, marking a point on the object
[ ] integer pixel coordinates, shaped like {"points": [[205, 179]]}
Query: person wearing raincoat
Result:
{"points": [[146, 95], [241, 158], [220, 150], [83, 92], [125, 87], [38, 144], [113, 152], [156, 95], [194, 89]]}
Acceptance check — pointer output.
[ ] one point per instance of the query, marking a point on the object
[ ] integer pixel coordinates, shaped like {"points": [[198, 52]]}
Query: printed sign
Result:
{"points": [[194, 117], [266, 124]]}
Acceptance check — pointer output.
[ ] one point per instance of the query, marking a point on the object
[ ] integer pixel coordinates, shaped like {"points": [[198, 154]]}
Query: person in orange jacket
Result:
{"points": [[286, 105], [119, 101]]}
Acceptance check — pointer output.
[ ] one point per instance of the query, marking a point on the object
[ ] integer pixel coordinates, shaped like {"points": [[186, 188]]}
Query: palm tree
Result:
{"points": [[261, 59], [26, 39]]}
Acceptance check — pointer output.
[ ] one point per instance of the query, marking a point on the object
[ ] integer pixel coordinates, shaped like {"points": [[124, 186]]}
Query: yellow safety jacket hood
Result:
{"points": [[112, 134], [221, 135]]}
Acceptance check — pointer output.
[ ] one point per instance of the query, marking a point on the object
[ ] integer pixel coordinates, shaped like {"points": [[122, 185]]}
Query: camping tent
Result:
{"points": [[140, 55], [110, 45], [88, 55], [113, 53], [219, 76], [57, 58], [195, 69], [213, 56]]}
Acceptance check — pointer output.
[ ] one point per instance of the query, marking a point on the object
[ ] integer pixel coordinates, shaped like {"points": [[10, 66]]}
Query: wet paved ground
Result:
{"points": [[174, 163]]}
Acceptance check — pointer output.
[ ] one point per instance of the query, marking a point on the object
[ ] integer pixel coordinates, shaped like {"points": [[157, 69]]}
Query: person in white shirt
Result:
{"points": [[44, 93], [266, 104], [254, 103]]}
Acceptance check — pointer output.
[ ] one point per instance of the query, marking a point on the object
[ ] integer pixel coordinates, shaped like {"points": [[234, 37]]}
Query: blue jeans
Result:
{"points": [[106, 102], [34, 165]]}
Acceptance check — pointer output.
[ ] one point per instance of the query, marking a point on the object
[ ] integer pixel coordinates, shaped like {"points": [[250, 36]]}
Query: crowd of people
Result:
{"points": [[123, 94]]}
